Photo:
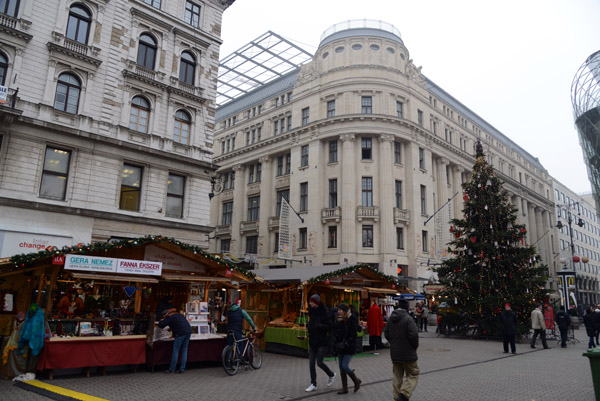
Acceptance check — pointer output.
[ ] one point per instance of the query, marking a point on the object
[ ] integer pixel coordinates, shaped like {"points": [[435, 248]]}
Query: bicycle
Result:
{"points": [[242, 351]]}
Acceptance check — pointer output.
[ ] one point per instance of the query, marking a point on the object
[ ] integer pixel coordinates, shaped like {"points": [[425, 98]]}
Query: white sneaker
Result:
{"points": [[331, 380], [310, 388]]}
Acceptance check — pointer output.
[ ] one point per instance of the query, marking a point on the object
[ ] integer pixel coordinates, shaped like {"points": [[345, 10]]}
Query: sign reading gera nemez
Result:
{"points": [[112, 265]]}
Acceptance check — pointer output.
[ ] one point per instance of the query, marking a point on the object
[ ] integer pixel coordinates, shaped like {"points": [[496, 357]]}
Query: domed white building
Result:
{"points": [[366, 149]]}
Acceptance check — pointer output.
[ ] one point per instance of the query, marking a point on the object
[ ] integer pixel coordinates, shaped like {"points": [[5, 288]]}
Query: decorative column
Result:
{"points": [[442, 182], [348, 201], [239, 210], [532, 234], [387, 232], [459, 203], [541, 245], [266, 194]]}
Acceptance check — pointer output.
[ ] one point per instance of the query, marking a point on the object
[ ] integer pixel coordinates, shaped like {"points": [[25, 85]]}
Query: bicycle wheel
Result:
{"points": [[230, 363], [255, 356]]}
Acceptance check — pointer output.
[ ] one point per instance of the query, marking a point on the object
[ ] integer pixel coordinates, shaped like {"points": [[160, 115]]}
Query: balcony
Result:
{"points": [[186, 90], [15, 27], [135, 71], [248, 226], [223, 229], [61, 45], [273, 222], [401, 216], [367, 213], [8, 109], [331, 214]]}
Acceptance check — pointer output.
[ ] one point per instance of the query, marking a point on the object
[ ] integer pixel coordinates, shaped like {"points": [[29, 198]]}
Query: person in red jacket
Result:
{"points": [[375, 326]]}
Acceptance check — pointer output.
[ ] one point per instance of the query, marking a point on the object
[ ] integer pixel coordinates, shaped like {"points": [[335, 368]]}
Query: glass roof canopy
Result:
{"points": [[265, 58]]}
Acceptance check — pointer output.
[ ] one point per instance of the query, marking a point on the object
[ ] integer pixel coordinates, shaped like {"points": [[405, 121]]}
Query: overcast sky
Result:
{"points": [[512, 62]]}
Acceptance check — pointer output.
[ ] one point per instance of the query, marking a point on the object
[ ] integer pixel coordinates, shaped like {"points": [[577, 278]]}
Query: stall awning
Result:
{"points": [[179, 277], [109, 277], [410, 297], [382, 290]]}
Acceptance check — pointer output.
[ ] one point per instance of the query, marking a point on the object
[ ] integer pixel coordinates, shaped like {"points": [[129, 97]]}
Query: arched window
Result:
{"points": [[9, 7], [146, 51], [68, 89], [78, 27], [140, 112], [187, 67], [183, 124], [3, 68]]}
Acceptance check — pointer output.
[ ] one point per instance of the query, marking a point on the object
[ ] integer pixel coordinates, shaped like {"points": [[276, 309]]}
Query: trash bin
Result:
{"points": [[594, 357]]}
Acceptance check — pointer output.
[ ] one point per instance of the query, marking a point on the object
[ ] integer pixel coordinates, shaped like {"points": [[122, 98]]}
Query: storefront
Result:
{"points": [[100, 300]]}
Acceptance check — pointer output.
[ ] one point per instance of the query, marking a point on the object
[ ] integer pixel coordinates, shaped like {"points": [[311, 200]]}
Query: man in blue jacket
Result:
{"points": [[182, 331]]}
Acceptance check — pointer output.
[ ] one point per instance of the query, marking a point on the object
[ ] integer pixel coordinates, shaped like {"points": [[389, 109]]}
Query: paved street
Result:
{"points": [[451, 369]]}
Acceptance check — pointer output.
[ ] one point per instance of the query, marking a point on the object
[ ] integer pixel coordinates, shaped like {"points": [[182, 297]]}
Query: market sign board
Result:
{"points": [[433, 288], [112, 265]]}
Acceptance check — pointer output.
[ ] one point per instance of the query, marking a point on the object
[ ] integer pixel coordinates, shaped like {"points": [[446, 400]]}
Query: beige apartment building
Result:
{"points": [[365, 148], [107, 127]]}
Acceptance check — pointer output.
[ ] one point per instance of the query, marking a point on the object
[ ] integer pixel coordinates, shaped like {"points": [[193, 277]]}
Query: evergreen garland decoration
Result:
{"points": [[27, 259], [352, 269]]}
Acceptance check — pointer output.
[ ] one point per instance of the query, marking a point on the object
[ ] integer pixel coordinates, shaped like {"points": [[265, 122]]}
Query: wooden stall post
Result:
{"points": [[51, 289], [40, 286], [138, 298]]}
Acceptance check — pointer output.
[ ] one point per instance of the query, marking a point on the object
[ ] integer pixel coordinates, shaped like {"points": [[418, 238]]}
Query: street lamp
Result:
{"points": [[569, 277]]}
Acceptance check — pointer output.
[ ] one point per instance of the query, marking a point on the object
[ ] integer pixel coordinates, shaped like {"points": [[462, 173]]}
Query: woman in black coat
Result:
{"points": [[590, 326], [344, 345]]}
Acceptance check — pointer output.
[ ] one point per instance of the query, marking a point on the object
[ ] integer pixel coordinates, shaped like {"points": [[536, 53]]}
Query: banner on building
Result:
{"points": [[443, 236], [3, 94], [285, 248]]}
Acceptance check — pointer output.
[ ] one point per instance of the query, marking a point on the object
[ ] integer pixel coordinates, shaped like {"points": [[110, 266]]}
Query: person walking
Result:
{"points": [[539, 326], [402, 334], [596, 319], [563, 320], [419, 315], [509, 328], [319, 325], [590, 326], [424, 316], [345, 345], [182, 331], [375, 326]]}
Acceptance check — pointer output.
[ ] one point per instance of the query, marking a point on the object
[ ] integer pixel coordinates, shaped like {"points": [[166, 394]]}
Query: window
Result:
{"points": [[331, 108], [232, 179], [3, 68], [192, 14], [366, 146], [276, 127], [303, 239], [225, 245], [9, 7], [289, 123], [397, 153], [333, 151], [420, 117], [424, 240], [175, 191], [281, 194], [78, 26], [187, 67], [251, 173], [305, 115], [366, 103], [55, 174], [146, 51], [304, 156], [333, 193], [398, 194], [183, 124], [252, 244], [138, 117], [227, 213], [332, 238], [367, 191], [423, 199], [399, 106], [258, 172], [367, 236], [304, 197], [421, 158], [279, 165], [253, 208], [131, 184], [68, 89], [399, 238], [288, 163], [153, 3]]}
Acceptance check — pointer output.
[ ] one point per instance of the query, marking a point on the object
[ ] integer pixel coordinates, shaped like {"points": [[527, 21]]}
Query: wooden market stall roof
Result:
{"points": [[216, 268]]}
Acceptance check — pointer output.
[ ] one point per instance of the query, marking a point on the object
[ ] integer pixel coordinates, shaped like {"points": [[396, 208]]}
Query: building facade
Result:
{"points": [[586, 241], [107, 127], [366, 149]]}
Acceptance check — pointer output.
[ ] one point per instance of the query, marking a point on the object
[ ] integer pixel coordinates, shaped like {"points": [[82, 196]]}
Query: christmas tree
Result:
{"points": [[490, 264]]}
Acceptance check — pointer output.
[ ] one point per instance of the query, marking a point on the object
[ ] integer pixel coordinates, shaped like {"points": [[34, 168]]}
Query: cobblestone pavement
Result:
{"points": [[451, 369]]}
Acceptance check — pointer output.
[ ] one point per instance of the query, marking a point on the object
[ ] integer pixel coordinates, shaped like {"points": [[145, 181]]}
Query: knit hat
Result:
{"points": [[507, 304], [315, 298], [403, 304], [343, 307]]}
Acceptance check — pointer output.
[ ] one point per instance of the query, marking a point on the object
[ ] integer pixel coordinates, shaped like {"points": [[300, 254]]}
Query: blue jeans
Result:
{"points": [[344, 362], [181, 342]]}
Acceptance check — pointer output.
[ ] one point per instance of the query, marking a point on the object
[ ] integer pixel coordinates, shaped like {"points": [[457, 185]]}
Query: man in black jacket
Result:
{"points": [[403, 336], [319, 325], [182, 331], [564, 321], [509, 328]]}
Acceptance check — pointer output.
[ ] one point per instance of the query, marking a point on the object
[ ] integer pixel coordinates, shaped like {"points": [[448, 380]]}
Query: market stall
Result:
{"points": [[101, 300], [287, 292]]}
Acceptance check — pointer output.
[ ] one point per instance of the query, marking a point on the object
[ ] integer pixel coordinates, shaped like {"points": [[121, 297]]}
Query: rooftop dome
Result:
{"points": [[360, 27]]}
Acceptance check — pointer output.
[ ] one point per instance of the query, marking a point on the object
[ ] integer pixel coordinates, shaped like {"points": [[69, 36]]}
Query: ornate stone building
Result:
{"points": [[107, 127], [366, 149]]}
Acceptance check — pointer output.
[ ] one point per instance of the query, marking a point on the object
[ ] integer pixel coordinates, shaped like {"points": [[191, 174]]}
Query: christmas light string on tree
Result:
{"points": [[490, 264]]}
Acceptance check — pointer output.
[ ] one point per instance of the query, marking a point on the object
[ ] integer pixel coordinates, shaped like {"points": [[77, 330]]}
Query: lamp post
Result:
{"points": [[568, 277]]}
